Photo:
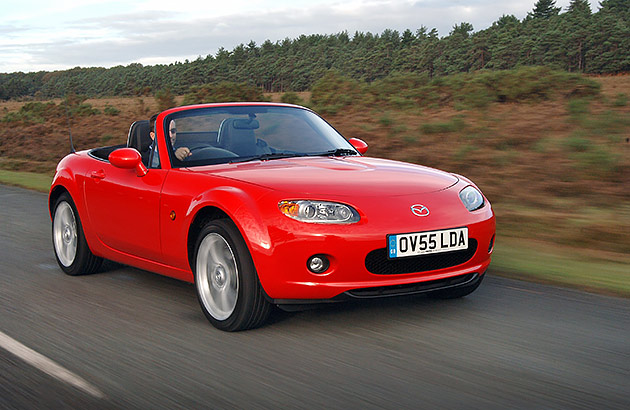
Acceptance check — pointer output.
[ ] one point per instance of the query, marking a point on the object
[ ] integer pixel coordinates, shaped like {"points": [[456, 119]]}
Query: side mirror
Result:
{"points": [[128, 158], [359, 145]]}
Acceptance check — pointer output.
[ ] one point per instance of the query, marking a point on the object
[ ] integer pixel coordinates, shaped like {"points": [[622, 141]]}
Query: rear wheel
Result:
{"points": [[227, 284], [71, 250]]}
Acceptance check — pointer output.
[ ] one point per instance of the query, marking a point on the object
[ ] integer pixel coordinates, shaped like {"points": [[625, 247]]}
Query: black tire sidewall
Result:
{"points": [[247, 276], [82, 257]]}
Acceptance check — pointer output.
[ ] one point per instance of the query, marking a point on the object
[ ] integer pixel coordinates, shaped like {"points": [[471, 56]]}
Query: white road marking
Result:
{"points": [[46, 365]]}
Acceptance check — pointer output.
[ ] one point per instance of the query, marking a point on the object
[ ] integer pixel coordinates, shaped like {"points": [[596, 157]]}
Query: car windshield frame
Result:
{"points": [[242, 133]]}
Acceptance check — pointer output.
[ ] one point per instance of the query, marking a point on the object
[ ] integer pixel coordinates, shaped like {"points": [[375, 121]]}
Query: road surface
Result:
{"points": [[126, 338]]}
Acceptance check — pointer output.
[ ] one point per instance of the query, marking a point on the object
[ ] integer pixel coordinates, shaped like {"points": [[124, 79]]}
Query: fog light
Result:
{"points": [[318, 264], [491, 246]]}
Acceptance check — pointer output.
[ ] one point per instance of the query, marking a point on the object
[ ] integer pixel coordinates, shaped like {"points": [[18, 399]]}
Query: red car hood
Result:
{"points": [[339, 176]]}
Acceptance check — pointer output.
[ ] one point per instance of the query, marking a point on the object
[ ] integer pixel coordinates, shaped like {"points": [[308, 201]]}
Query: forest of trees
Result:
{"points": [[576, 40]]}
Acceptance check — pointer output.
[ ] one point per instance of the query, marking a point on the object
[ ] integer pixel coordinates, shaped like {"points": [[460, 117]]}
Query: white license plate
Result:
{"points": [[422, 243]]}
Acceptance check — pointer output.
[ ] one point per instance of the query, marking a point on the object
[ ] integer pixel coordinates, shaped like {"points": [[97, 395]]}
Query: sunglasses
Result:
{"points": [[173, 130]]}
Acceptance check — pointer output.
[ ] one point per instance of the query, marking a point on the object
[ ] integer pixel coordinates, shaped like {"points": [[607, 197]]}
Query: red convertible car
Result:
{"points": [[262, 204]]}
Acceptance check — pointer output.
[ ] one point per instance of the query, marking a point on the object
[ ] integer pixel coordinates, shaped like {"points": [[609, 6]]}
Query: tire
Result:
{"points": [[71, 250], [227, 284], [457, 292]]}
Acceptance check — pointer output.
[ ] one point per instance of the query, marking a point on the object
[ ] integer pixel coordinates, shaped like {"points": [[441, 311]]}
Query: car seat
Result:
{"points": [[140, 138], [237, 135]]}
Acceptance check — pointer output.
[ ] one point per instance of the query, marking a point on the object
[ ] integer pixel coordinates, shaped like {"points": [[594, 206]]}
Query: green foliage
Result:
{"points": [[84, 110], [33, 113], [577, 143], [386, 120], [598, 162], [291, 98], [463, 153], [578, 106], [593, 158], [165, 99], [402, 90], [544, 9], [454, 125], [141, 108], [225, 91], [334, 92], [76, 106], [111, 110], [610, 124], [523, 84], [621, 100]]}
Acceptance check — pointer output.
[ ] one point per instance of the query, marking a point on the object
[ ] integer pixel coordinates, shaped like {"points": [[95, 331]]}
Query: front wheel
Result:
{"points": [[71, 249], [227, 284]]}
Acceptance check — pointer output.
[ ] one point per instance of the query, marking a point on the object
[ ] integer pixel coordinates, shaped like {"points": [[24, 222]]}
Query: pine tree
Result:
{"points": [[619, 8], [544, 9], [576, 27], [580, 7]]}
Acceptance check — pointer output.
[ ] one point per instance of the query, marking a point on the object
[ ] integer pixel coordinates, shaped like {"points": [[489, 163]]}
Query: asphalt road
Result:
{"points": [[139, 340]]}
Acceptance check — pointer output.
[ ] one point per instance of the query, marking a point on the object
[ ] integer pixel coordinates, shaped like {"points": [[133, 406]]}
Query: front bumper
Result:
{"points": [[359, 266]]}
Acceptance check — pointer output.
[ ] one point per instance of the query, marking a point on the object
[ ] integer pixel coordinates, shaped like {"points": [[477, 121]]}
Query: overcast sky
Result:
{"points": [[60, 34]]}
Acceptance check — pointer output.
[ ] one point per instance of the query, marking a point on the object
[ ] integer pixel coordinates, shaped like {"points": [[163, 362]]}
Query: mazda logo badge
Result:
{"points": [[419, 210]]}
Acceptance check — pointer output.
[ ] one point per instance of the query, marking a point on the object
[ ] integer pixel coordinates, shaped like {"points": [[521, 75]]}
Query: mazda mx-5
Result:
{"points": [[262, 204]]}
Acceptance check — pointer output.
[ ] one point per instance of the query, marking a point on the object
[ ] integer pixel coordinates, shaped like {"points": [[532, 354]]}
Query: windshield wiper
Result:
{"points": [[339, 152], [267, 157]]}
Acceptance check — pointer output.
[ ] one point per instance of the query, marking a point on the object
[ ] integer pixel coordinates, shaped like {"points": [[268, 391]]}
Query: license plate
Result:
{"points": [[422, 243]]}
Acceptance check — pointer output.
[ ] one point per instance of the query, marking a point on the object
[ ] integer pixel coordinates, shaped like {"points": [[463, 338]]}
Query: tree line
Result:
{"points": [[575, 40]]}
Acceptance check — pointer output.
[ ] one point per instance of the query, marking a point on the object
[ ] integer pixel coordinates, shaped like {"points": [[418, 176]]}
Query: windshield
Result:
{"points": [[215, 135]]}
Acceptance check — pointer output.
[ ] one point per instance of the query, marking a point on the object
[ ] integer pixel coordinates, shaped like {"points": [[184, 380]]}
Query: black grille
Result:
{"points": [[378, 263]]}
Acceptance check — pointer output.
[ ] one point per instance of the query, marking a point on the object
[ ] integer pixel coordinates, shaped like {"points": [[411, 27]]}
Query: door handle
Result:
{"points": [[98, 174]]}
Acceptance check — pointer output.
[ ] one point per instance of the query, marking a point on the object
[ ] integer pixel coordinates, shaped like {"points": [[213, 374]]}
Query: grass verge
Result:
{"points": [[30, 180], [571, 267], [515, 258]]}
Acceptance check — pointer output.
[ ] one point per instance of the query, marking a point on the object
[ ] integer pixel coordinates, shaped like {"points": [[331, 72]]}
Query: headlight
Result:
{"points": [[319, 212], [471, 198]]}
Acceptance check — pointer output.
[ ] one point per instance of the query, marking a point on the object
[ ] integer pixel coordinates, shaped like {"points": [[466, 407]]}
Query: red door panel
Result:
{"points": [[124, 209]]}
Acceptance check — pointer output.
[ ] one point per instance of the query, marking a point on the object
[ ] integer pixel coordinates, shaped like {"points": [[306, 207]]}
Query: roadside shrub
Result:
{"points": [[594, 159], [621, 100], [225, 91], [402, 90], [519, 85], [32, 112], [454, 125], [111, 110], [578, 106], [334, 92], [84, 110], [291, 98], [386, 119], [577, 143], [77, 106], [165, 99], [141, 108]]}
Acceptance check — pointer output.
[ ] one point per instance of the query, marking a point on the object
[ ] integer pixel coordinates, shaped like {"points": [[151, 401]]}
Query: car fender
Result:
{"points": [[69, 177], [242, 208]]}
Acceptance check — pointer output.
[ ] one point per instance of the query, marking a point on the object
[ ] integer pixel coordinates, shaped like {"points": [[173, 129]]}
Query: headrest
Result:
{"points": [[249, 124], [139, 137]]}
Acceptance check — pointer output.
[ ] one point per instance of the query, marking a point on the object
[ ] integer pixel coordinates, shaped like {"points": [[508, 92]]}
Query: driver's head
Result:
{"points": [[152, 126], [172, 132]]}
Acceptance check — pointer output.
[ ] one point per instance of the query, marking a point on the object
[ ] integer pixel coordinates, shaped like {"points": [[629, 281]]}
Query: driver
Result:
{"points": [[181, 153]]}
